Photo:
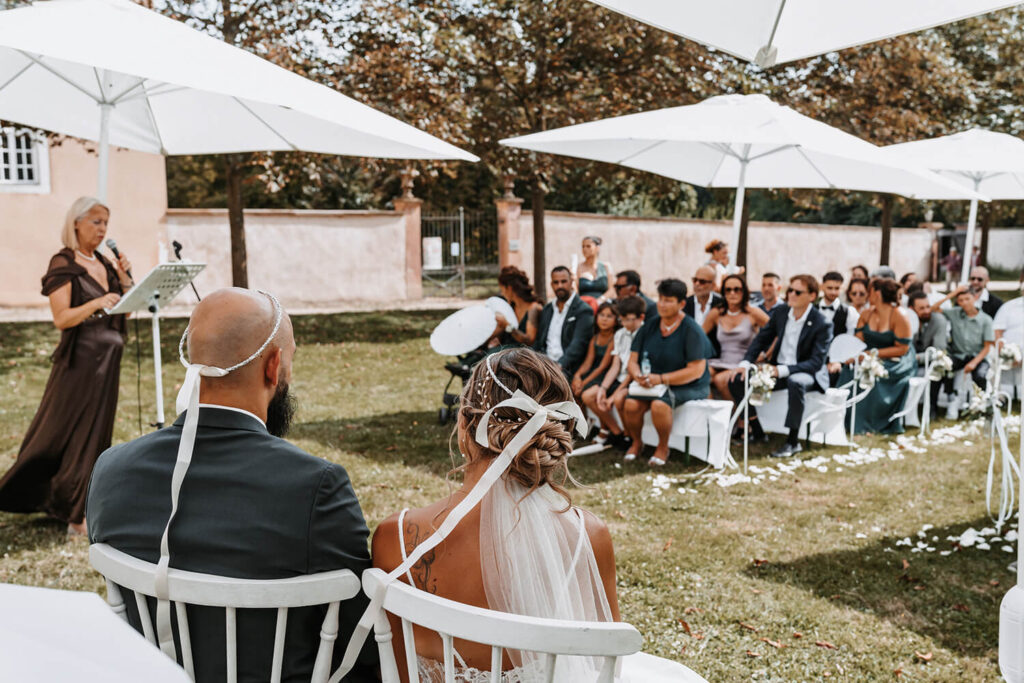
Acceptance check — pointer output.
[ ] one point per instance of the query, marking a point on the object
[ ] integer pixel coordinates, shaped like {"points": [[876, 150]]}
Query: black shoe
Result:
{"points": [[787, 450], [620, 442]]}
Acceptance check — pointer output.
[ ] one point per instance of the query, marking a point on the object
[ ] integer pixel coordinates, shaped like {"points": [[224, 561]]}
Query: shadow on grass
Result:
{"points": [[415, 439], [953, 599], [19, 532]]}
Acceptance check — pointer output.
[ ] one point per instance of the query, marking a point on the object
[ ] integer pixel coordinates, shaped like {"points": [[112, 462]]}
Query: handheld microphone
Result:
{"points": [[112, 246]]}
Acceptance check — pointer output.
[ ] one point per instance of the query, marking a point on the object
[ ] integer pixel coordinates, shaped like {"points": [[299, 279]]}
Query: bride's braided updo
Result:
{"points": [[544, 458]]}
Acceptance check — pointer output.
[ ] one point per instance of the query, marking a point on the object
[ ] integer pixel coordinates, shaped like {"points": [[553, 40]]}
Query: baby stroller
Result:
{"points": [[461, 368], [463, 334]]}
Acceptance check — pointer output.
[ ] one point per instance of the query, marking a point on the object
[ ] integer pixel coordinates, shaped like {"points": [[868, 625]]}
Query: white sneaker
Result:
{"points": [[951, 412]]}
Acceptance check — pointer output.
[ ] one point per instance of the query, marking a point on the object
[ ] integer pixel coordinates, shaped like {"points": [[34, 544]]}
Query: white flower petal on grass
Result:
{"points": [[983, 546], [1007, 548]]}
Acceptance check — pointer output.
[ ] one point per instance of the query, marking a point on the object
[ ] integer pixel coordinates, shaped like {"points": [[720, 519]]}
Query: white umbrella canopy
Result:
{"points": [[991, 163], [769, 32], [741, 141], [112, 71]]}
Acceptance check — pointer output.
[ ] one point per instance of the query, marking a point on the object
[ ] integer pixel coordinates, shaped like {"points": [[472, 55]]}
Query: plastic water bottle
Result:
{"points": [[645, 365]]}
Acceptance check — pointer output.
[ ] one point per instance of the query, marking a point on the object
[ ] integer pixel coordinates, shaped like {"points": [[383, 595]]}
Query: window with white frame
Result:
{"points": [[24, 161]]}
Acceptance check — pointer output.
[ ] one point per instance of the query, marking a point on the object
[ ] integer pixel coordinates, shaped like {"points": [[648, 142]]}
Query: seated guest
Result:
{"points": [[525, 549], [592, 274], [1009, 321], [599, 358], [796, 338], [627, 283], [517, 290], [906, 282], [670, 352], [988, 302], [734, 321], [933, 333], [857, 295], [614, 387], [885, 328], [770, 285], [971, 337], [704, 298], [565, 324], [843, 319], [859, 272], [251, 506], [718, 258]]}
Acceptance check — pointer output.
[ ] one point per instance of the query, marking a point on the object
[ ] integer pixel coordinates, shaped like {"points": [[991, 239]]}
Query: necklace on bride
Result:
{"points": [[672, 326], [87, 258]]}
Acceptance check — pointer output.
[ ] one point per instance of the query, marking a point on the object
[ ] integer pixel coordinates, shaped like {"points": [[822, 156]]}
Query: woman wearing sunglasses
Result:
{"points": [[735, 322], [857, 295]]}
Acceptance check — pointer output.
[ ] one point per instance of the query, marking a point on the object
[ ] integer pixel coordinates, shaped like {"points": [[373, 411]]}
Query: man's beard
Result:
{"points": [[563, 294], [280, 411]]}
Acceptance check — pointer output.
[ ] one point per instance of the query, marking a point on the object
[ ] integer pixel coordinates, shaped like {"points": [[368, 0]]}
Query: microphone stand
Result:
{"points": [[177, 254]]}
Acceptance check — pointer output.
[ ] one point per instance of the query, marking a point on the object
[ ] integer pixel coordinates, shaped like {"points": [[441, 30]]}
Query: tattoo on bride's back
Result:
{"points": [[421, 571]]}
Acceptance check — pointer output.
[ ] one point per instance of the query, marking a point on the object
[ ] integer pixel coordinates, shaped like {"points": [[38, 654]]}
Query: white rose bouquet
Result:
{"points": [[871, 370], [1009, 355], [762, 382], [941, 366]]}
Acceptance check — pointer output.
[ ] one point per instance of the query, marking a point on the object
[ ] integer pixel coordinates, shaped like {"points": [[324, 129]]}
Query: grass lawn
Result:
{"points": [[793, 578]]}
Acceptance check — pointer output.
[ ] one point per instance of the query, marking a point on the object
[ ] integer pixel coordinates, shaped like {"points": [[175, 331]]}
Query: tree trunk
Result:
{"points": [[540, 274], [883, 257], [986, 223], [236, 221], [741, 248]]}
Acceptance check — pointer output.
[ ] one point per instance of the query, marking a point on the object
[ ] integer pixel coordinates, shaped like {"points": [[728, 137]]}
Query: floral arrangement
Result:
{"points": [[1009, 355], [980, 404], [871, 370], [941, 366], [762, 381]]}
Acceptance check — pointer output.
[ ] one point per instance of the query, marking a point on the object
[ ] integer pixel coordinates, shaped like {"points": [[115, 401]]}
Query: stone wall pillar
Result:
{"points": [[509, 209], [411, 207]]}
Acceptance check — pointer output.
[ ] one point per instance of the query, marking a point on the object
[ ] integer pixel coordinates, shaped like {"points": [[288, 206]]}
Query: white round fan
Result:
{"points": [[463, 331], [844, 347], [502, 307]]}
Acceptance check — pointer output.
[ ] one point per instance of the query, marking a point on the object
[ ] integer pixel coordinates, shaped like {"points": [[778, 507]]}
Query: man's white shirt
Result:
{"points": [[554, 342], [700, 313], [830, 310], [790, 339]]}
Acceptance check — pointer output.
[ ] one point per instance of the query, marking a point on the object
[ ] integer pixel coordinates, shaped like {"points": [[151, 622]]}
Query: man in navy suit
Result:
{"points": [[796, 338], [566, 324]]}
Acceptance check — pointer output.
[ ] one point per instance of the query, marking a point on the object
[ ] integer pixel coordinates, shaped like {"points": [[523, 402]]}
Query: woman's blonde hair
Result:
{"points": [[81, 206], [544, 460]]}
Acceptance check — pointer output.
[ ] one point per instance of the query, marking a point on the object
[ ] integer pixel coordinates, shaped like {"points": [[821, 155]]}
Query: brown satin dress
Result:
{"points": [[75, 420]]}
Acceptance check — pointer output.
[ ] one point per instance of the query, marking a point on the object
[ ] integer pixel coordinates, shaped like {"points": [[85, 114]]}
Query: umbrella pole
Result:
{"points": [[104, 151], [737, 211], [972, 219]]}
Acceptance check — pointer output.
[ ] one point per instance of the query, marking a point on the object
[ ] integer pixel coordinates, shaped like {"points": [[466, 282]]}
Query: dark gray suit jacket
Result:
{"points": [[577, 330], [252, 506], [933, 333]]}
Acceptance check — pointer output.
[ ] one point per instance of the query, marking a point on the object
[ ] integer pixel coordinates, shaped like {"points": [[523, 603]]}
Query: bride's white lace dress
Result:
{"points": [[536, 560]]}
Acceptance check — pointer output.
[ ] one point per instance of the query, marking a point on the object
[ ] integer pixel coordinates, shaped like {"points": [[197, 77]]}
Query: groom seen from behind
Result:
{"points": [[251, 505]]}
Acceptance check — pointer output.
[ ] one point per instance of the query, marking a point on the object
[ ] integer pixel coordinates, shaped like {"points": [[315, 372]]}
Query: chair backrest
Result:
{"points": [[192, 588], [450, 619]]}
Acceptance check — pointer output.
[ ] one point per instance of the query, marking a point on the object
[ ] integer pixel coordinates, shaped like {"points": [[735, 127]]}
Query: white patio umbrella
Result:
{"points": [[769, 32], [117, 73], [990, 163], [741, 141]]}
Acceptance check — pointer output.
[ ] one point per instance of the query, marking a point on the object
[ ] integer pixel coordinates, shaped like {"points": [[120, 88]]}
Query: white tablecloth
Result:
{"points": [[53, 635]]}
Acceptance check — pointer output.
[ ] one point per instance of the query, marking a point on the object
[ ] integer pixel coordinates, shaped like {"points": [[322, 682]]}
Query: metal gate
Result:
{"points": [[459, 247]]}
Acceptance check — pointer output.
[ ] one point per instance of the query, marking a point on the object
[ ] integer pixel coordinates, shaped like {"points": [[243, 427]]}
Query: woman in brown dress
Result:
{"points": [[75, 420]]}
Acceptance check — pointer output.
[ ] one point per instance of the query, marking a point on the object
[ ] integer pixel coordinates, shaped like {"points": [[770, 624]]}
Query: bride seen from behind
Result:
{"points": [[515, 551]]}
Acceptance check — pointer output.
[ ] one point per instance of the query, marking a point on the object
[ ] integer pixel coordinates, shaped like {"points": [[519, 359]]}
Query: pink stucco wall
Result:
{"points": [[669, 247]]}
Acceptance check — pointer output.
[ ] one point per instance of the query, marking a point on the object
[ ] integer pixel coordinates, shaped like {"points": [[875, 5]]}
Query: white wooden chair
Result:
{"points": [[501, 631], [122, 570], [699, 428]]}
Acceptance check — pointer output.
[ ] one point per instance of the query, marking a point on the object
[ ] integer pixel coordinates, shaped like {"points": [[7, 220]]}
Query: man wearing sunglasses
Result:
{"points": [[699, 304], [796, 337], [627, 284], [988, 302]]}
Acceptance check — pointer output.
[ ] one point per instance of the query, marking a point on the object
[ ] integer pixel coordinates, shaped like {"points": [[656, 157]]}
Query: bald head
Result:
{"points": [[979, 277], [229, 325], [703, 282]]}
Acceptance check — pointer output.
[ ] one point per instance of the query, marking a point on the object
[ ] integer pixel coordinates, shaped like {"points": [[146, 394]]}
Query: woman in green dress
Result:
{"points": [[885, 328], [668, 365]]}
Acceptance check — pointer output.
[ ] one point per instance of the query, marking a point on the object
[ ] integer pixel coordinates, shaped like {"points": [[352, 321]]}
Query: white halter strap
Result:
{"points": [[566, 410], [188, 402]]}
